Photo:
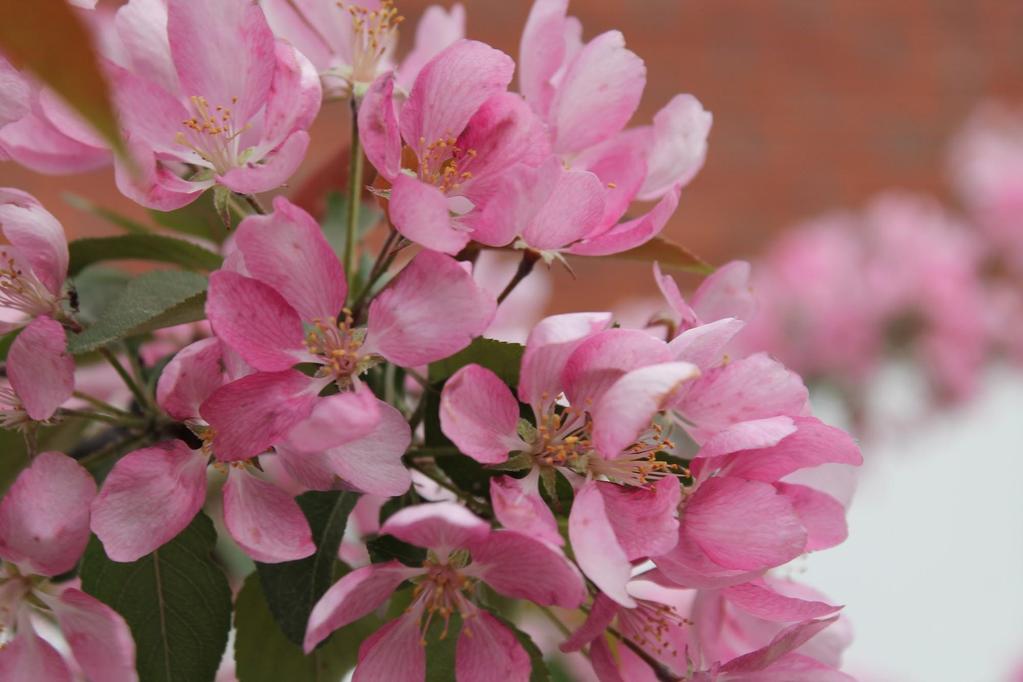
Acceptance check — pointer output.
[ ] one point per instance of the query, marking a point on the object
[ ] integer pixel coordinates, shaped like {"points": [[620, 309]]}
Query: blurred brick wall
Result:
{"points": [[817, 103]]}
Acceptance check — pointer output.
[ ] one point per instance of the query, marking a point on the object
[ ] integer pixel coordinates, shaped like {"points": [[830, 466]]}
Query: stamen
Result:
{"points": [[441, 593], [336, 343], [22, 290], [650, 626], [212, 134], [374, 33]]}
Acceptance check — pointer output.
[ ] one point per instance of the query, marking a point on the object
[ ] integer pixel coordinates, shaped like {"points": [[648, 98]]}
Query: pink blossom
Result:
{"points": [[44, 527], [209, 87], [41, 375], [463, 549], [283, 275]]}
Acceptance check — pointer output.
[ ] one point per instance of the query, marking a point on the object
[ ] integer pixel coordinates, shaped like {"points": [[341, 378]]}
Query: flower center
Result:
{"points": [[638, 464], [336, 343], [211, 133], [562, 439], [374, 33], [440, 593], [650, 626], [22, 290], [443, 163], [12, 412]]}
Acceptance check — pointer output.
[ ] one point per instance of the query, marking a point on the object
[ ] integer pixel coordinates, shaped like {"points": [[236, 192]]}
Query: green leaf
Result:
{"points": [[292, 588], [95, 288], [176, 601], [113, 217], [151, 247], [13, 457], [263, 654], [198, 218], [385, 548], [335, 219], [669, 255], [500, 357], [441, 639], [151, 301], [539, 673], [5, 342], [49, 39]]}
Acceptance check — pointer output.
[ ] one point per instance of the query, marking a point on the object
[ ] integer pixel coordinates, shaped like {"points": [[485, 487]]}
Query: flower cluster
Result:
{"points": [[638, 488]]}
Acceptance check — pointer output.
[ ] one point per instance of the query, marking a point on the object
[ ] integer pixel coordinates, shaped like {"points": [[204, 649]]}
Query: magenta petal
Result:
{"points": [[626, 409], [480, 415], [519, 507], [373, 463], [603, 358], [378, 127], [598, 94], [420, 212], [432, 309], [393, 653], [550, 344], [487, 650], [29, 658], [687, 565], [287, 251], [620, 166], [149, 183], [441, 526], [573, 209], [522, 567], [822, 515], [223, 51], [255, 412], [503, 132], [596, 547], [190, 378], [759, 600], [643, 519], [604, 664], [272, 170], [742, 524], [41, 371], [336, 419], [705, 345], [726, 293], [44, 516], [353, 596], [98, 636], [754, 434], [789, 639], [449, 90], [264, 520], [813, 443], [255, 321], [149, 497], [294, 98], [36, 236], [602, 612], [628, 235]]}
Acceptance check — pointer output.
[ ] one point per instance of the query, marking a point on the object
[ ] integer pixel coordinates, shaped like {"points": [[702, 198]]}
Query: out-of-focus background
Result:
{"points": [[818, 105]]}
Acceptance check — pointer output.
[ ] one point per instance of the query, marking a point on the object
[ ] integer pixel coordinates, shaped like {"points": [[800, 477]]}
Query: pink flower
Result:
{"points": [[463, 550], [33, 264], [350, 44], [41, 374], [153, 493], [463, 130], [44, 528], [283, 275], [209, 87]]}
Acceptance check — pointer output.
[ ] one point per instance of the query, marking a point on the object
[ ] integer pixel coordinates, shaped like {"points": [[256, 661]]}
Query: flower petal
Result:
{"points": [[519, 507], [255, 321], [519, 566], [678, 146], [294, 99], [264, 520], [420, 212], [378, 127], [337, 419], [149, 497], [602, 612], [437, 28], [440, 526], [98, 636], [487, 650], [754, 434], [192, 375], [432, 309], [44, 516], [40, 368], [633, 233], [551, 342], [573, 209], [270, 171], [705, 345], [814, 443], [542, 52], [373, 463], [643, 519], [822, 515], [393, 653], [789, 639], [480, 415], [36, 236], [726, 293], [596, 547], [29, 658], [603, 358], [758, 599], [287, 251]]}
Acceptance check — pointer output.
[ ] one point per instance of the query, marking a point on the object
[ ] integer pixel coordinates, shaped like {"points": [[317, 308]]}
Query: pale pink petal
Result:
{"points": [[271, 171], [503, 131], [620, 165], [255, 321], [626, 408], [790, 668], [598, 94], [310, 470], [17, 93], [441, 526], [29, 658], [669, 289], [254, 412], [757, 433], [37, 237], [420, 212], [153, 115], [44, 516], [480, 415], [190, 378], [551, 342], [822, 515], [40, 368], [522, 567], [705, 346], [287, 251], [689, 566], [355, 595], [337, 419], [432, 309], [519, 507], [541, 52], [148, 498], [759, 600], [450, 88], [293, 22], [678, 145], [373, 463], [814, 443], [574, 207], [603, 358], [605, 666], [487, 650], [142, 29], [726, 293], [643, 519], [98, 636], [378, 127], [149, 183], [602, 612], [787, 640], [294, 99], [437, 29], [393, 653], [596, 547], [264, 520], [628, 235], [223, 51], [742, 524], [35, 143]]}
